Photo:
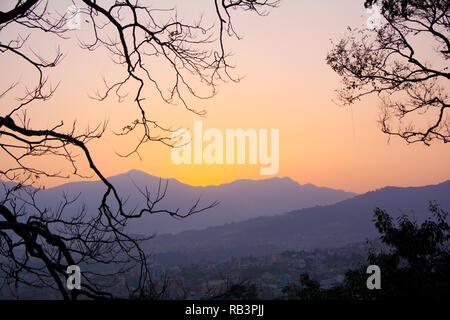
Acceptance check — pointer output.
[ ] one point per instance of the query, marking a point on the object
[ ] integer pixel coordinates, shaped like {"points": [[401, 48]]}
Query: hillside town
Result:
{"points": [[268, 274]]}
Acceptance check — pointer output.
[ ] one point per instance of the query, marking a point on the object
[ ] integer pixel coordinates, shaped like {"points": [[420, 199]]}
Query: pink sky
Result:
{"points": [[287, 86]]}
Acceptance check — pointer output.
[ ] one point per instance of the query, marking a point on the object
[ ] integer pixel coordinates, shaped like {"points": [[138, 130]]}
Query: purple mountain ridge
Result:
{"points": [[343, 223], [239, 200]]}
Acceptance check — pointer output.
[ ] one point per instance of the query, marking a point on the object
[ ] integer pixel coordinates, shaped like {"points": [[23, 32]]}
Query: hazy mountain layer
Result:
{"points": [[334, 225], [239, 200]]}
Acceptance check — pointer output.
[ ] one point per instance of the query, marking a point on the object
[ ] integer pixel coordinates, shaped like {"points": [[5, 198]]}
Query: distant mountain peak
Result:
{"points": [[239, 200]]}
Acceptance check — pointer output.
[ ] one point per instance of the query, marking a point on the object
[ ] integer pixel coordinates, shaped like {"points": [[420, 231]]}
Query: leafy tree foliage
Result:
{"points": [[405, 63], [415, 265]]}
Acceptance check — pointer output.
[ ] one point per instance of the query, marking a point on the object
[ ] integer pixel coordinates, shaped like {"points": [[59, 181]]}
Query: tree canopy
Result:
{"points": [[405, 63]]}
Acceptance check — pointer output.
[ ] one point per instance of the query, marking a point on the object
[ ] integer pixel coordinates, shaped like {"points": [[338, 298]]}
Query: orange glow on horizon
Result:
{"points": [[287, 86]]}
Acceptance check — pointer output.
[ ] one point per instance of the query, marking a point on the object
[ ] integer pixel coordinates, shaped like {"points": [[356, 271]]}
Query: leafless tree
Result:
{"points": [[405, 63], [38, 243]]}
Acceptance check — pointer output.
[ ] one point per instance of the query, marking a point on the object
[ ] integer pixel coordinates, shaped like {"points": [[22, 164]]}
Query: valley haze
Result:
{"points": [[254, 217], [329, 226]]}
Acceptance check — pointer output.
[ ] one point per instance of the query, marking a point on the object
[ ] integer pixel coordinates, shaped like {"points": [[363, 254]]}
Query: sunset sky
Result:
{"points": [[287, 85]]}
